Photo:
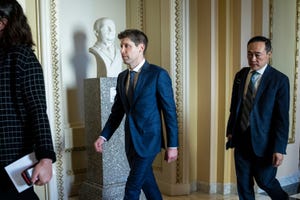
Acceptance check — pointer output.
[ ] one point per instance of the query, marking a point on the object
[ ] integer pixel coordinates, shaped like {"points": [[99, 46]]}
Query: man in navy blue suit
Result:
{"points": [[258, 124], [144, 99]]}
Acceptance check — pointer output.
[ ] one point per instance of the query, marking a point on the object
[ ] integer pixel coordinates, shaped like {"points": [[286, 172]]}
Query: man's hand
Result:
{"points": [[171, 154], [99, 144], [277, 159], [42, 172], [229, 141]]}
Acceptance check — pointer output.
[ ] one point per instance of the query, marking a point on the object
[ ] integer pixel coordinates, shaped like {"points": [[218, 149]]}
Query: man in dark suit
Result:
{"points": [[144, 98], [258, 124]]}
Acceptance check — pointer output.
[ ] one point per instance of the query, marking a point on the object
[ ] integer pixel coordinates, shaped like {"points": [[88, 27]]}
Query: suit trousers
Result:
{"points": [[249, 166], [141, 177], [9, 192]]}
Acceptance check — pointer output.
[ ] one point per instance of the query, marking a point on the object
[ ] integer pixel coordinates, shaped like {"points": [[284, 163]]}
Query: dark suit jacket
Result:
{"points": [[269, 118], [153, 95], [24, 124]]}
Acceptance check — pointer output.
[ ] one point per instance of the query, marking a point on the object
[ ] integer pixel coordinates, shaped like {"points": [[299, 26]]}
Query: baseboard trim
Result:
{"points": [[231, 188], [217, 188], [174, 189]]}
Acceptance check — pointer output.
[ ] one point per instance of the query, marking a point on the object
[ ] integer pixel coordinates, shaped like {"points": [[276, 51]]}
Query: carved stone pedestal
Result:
{"points": [[106, 173]]}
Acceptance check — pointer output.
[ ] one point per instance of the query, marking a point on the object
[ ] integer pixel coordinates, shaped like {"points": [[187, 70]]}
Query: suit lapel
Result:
{"points": [[243, 82], [122, 86], [263, 83], [141, 81]]}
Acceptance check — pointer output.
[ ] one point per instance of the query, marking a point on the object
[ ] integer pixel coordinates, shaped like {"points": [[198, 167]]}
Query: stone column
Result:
{"points": [[107, 172]]}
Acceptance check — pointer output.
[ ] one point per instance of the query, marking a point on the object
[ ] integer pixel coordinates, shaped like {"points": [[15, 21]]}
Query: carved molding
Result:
{"points": [[292, 140], [141, 14], [177, 10], [56, 81], [135, 18]]}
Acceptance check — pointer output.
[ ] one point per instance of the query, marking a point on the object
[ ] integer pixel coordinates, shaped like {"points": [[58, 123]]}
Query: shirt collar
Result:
{"points": [[139, 66], [261, 71]]}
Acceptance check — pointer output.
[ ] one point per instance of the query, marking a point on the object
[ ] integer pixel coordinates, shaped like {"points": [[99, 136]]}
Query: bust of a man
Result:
{"points": [[107, 54]]}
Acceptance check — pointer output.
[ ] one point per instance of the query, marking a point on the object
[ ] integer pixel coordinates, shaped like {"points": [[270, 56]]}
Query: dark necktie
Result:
{"points": [[131, 87], [248, 101]]}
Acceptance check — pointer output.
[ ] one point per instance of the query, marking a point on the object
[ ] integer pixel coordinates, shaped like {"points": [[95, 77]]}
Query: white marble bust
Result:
{"points": [[106, 52]]}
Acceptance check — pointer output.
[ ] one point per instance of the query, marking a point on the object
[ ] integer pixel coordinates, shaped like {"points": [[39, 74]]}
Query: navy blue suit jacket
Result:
{"points": [[269, 118], [153, 96]]}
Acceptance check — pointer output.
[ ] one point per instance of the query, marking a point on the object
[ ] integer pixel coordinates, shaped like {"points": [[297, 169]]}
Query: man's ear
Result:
{"points": [[3, 23], [270, 54], [142, 47]]}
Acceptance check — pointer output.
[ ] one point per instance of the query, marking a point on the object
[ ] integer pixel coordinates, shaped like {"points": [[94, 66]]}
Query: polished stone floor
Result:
{"points": [[293, 191], [202, 196]]}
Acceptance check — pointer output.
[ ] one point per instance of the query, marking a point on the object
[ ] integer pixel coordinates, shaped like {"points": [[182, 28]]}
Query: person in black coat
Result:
{"points": [[24, 124]]}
